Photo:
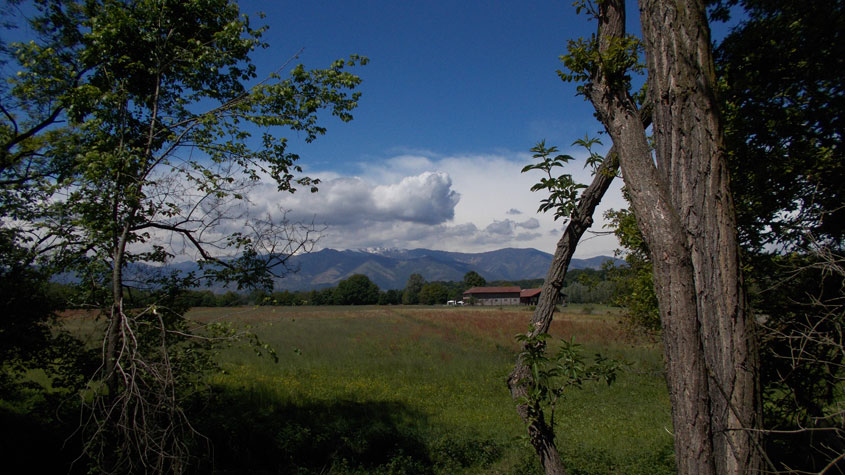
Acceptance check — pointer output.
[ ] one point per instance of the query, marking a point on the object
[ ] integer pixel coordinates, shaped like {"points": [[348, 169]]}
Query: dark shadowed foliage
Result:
{"points": [[251, 434]]}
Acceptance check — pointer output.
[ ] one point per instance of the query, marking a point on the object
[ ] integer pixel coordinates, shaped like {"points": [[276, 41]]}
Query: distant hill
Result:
{"points": [[390, 268]]}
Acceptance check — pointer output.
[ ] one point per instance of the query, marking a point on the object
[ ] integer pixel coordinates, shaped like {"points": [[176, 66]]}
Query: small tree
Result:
{"points": [[578, 209], [131, 123], [473, 279], [549, 377], [433, 293], [390, 297], [411, 294], [356, 290]]}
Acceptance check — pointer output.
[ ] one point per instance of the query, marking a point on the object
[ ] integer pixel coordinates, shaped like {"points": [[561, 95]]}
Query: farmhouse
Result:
{"points": [[503, 296], [529, 296], [492, 295]]}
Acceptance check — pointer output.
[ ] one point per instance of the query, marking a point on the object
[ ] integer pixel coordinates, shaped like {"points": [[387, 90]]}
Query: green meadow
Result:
{"points": [[404, 389]]}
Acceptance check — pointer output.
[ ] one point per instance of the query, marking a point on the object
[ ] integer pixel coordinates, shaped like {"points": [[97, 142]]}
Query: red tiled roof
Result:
{"points": [[528, 293], [492, 290]]}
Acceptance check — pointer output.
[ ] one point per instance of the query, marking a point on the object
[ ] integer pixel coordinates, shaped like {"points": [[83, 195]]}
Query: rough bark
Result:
{"points": [[684, 210], [541, 434], [690, 151]]}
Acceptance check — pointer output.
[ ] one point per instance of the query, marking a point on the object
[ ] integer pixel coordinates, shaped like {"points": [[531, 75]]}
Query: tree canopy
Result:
{"points": [[356, 290], [473, 279], [130, 132], [780, 77], [434, 293], [411, 294]]}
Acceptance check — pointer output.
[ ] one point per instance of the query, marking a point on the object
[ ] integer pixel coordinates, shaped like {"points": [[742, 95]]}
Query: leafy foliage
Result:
{"points": [[562, 190], [433, 293], [634, 283], [130, 131], [783, 100], [356, 290], [473, 279], [585, 61], [550, 377], [411, 294]]}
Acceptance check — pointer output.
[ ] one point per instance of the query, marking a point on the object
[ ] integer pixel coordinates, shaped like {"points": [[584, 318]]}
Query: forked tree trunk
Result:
{"points": [[685, 212]]}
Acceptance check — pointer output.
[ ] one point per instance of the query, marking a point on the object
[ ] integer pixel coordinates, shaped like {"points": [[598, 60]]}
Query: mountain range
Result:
{"points": [[390, 268]]}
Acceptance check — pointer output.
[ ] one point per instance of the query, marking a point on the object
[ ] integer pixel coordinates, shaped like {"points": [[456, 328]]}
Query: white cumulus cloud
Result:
{"points": [[426, 198], [462, 203]]}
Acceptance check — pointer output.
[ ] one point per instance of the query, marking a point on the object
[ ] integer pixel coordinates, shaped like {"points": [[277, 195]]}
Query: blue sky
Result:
{"points": [[452, 77], [455, 95]]}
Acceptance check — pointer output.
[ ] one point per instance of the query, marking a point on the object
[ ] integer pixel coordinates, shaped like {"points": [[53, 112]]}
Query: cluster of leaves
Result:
{"points": [[550, 377], [562, 190], [356, 290], [780, 77], [584, 61], [418, 291], [634, 283]]}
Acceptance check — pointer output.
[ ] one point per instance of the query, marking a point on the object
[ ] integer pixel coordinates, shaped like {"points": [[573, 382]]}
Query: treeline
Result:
{"points": [[581, 286]]}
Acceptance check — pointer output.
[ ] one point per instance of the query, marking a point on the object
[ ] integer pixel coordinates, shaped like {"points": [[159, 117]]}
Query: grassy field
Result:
{"points": [[421, 390]]}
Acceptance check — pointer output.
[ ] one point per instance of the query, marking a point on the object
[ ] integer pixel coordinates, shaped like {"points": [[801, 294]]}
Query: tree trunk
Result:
{"points": [[540, 432], [114, 333], [685, 212], [690, 152]]}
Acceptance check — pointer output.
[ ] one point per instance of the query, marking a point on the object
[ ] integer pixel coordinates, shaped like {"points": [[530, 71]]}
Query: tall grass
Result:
{"points": [[409, 389], [421, 390]]}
